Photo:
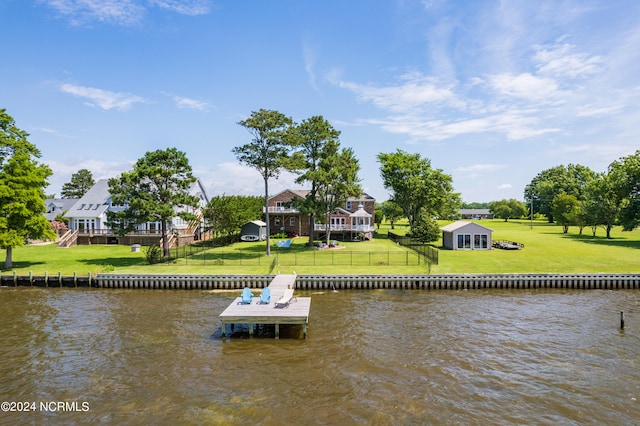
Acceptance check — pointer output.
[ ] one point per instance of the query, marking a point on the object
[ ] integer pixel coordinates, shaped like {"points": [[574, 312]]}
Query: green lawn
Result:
{"points": [[547, 249]]}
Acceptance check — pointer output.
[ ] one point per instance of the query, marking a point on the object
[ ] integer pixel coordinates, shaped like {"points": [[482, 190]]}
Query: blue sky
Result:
{"points": [[492, 92]]}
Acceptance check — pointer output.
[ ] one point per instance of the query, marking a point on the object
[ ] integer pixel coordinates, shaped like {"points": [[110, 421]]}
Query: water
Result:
{"points": [[381, 357]]}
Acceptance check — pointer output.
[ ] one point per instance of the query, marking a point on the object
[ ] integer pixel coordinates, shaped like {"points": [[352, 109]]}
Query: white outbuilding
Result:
{"points": [[463, 235]]}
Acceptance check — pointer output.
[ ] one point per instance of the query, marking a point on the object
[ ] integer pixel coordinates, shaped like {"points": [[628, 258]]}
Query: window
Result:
{"points": [[464, 241], [276, 221], [292, 221], [349, 205], [480, 241]]}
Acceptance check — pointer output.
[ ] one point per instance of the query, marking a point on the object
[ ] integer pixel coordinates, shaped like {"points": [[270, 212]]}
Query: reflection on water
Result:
{"points": [[372, 357]]}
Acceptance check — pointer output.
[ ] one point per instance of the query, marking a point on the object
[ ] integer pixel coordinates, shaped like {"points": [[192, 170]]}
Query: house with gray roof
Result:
{"points": [[57, 206], [88, 220]]}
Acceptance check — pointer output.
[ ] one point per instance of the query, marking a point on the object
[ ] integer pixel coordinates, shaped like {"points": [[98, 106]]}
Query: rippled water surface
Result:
{"points": [[371, 357]]}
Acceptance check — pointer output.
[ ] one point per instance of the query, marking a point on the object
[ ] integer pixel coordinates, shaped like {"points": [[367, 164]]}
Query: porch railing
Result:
{"points": [[344, 227]]}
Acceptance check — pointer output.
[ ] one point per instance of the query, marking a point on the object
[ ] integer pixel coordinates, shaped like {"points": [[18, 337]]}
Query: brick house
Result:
{"points": [[355, 216]]}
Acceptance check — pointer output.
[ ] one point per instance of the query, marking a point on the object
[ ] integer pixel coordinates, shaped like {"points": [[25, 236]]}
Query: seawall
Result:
{"points": [[337, 282]]}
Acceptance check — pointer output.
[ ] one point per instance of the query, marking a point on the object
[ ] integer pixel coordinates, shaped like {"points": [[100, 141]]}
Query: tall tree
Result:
{"points": [[625, 175], [508, 209], [604, 201], [317, 140], [22, 183], [156, 190], [80, 183], [337, 180], [268, 152], [416, 186], [565, 209], [571, 179], [392, 212]]}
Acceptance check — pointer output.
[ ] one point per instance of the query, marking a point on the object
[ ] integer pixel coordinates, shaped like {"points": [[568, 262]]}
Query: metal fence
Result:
{"points": [[202, 256], [429, 253]]}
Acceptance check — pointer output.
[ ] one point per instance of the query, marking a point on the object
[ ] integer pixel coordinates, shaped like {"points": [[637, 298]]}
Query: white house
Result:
{"points": [[88, 216], [462, 235]]}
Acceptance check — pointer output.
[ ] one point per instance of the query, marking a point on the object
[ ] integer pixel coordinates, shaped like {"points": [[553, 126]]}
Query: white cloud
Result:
{"points": [[559, 60], [104, 99], [597, 110], [56, 133], [81, 12], [515, 125], [525, 86], [414, 90], [184, 7], [188, 103], [62, 170], [505, 186], [309, 64], [121, 12], [235, 178]]}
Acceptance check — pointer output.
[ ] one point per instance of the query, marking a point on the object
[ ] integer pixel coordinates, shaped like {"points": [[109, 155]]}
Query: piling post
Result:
{"points": [[621, 320]]}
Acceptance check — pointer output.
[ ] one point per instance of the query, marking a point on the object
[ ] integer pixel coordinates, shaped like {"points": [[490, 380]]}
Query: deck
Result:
{"points": [[296, 313]]}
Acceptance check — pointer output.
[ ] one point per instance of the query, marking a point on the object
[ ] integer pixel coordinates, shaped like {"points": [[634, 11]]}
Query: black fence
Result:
{"points": [[429, 253], [190, 255]]}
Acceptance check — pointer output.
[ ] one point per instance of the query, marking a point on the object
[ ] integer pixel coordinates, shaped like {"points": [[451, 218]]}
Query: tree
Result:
{"points": [[625, 175], [416, 186], [571, 180], [378, 217], [225, 214], [426, 229], [22, 183], [80, 183], [268, 152], [392, 212], [604, 202], [156, 190], [508, 209], [565, 208], [317, 139], [337, 180]]}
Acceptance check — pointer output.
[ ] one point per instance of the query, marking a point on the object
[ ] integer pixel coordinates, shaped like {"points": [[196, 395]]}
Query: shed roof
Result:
{"points": [[455, 226], [258, 222]]}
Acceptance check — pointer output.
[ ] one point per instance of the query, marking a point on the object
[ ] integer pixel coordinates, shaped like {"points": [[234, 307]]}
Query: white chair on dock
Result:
{"points": [[286, 298]]}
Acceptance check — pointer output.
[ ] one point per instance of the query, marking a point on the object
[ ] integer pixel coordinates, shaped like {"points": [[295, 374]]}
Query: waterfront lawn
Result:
{"points": [[547, 250]]}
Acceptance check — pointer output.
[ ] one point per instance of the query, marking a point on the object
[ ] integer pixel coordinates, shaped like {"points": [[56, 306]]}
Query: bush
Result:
{"points": [[153, 254], [426, 229]]}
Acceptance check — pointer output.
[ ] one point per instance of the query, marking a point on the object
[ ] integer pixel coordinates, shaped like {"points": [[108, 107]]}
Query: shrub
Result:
{"points": [[153, 254]]}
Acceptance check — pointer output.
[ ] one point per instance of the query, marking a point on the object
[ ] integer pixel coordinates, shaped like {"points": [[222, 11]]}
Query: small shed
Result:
{"points": [[463, 235], [255, 228]]}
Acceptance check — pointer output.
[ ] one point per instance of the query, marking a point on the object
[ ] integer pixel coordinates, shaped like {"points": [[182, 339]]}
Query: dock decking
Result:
{"points": [[297, 312]]}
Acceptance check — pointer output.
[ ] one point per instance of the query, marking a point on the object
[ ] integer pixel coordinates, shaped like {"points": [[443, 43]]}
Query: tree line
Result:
{"points": [[575, 195]]}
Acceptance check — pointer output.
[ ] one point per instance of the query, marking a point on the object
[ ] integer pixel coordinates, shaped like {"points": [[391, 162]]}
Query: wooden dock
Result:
{"points": [[297, 312]]}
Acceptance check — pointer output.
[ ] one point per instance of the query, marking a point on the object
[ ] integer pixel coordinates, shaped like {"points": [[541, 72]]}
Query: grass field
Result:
{"points": [[547, 250]]}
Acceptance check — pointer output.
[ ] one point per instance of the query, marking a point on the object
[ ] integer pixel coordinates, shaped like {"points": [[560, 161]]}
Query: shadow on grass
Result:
{"points": [[114, 261], [20, 265], [604, 241]]}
